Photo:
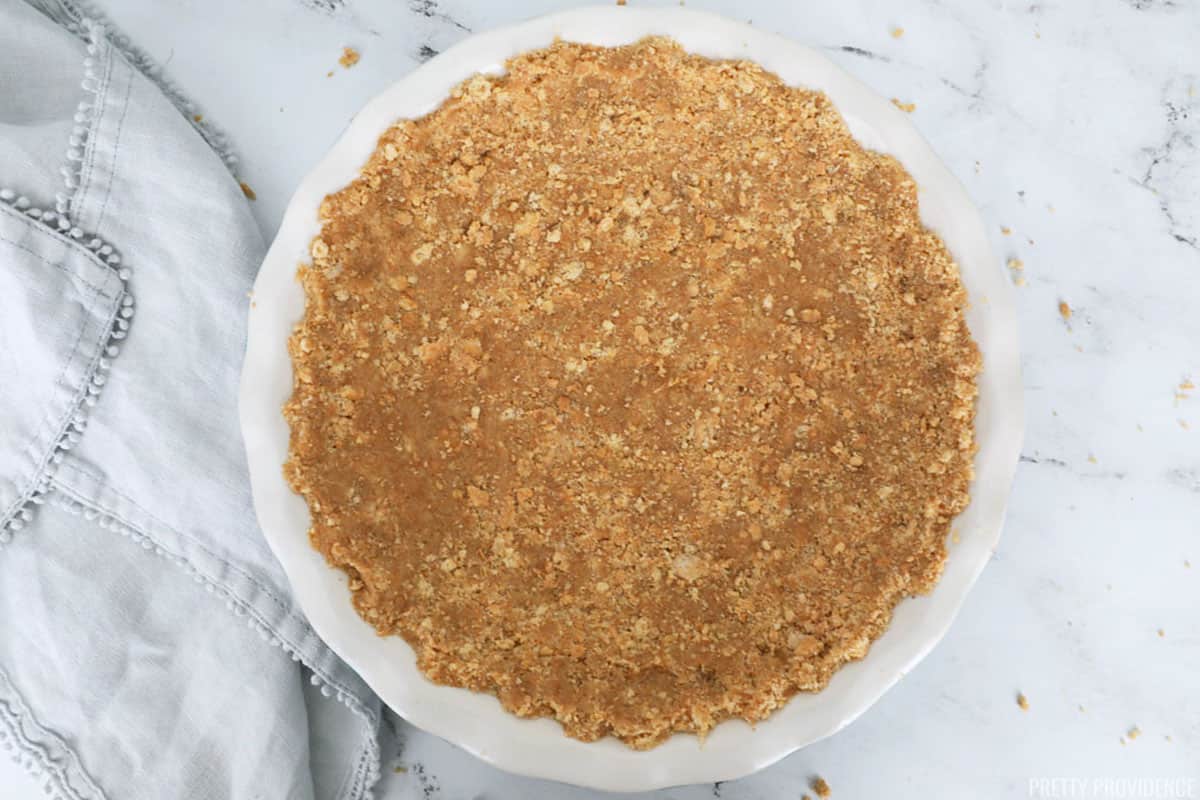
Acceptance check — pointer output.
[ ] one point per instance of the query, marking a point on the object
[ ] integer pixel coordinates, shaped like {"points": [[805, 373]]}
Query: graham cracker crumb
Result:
{"points": [[897, 32], [197, 118], [349, 58], [1017, 267], [1134, 733], [1006, 230], [905, 107], [665, 512], [246, 190], [1023, 701], [820, 787], [1064, 310]]}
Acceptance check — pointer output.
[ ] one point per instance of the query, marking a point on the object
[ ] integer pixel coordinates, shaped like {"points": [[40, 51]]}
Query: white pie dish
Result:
{"points": [[476, 722]]}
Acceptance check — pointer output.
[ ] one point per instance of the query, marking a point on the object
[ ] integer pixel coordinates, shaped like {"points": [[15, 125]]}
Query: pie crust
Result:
{"points": [[632, 390]]}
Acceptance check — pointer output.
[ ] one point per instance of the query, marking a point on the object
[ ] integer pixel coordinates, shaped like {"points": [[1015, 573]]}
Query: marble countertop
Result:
{"points": [[1078, 135]]}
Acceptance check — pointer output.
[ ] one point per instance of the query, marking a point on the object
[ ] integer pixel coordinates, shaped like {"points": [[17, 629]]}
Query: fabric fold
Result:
{"points": [[148, 627]]}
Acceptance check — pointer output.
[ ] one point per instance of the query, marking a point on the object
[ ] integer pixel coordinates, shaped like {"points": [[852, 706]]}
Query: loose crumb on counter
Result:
{"points": [[1064, 310], [905, 107], [897, 32], [1017, 267], [820, 787], [246, 190], [1023, 701], [349, 58]]}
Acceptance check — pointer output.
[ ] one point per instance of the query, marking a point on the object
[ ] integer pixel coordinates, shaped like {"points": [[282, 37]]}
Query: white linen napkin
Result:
{"points": [[149, 644]]}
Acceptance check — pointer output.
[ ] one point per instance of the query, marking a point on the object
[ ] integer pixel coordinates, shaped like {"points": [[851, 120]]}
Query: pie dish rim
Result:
{"points": [[476, 722]]}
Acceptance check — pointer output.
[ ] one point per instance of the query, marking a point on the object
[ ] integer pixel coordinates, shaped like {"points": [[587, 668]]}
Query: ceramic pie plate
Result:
{"points": [[476, 722]]}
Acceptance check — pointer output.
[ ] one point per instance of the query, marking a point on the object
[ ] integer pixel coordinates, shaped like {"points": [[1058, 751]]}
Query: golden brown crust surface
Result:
{"points": [[632, 390]]}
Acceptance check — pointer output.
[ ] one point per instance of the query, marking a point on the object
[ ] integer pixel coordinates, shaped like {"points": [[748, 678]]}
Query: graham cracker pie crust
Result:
{"points": [[632, 390]]}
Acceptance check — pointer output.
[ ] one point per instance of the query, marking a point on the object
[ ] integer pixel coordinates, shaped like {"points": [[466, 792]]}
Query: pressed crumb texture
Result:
{"points": [[632, 390]]}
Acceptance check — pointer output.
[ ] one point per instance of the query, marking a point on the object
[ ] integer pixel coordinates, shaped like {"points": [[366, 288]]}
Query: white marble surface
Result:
{"points": [[1076, 126]]}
